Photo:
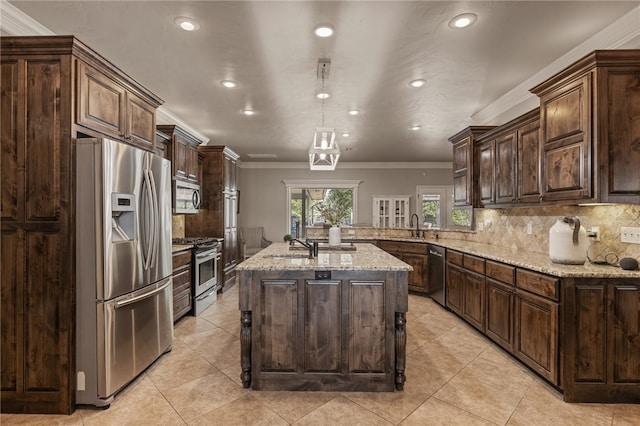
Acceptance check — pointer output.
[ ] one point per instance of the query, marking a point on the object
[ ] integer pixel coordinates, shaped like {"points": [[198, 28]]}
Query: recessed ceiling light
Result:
{"points": [[416, 127], [187, 24], [248, 112], [346, 134], [322, 95], [229, 84], [324, 30], [463, 20], [418, 83], [354, 112]]}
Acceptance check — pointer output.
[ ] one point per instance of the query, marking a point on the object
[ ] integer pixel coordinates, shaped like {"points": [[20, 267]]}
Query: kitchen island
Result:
{"points": [[332, 323]]}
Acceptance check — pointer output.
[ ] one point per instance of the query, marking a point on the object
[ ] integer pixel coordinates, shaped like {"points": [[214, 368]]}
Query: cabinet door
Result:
{"points": [[192, 163], [536, 334], [455, 286], [624, 344], [140, 122], [179, 161], [36, 277], [566, 118], [461, 168], [473, 306], [500, 313], [505, 161], [486, 171], [101, 103], [529, 163], [417, 277], [229, 174]]}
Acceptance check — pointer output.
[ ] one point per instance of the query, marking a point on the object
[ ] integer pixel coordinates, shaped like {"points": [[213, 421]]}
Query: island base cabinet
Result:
{"points": [[602, 344], [338, 334]]}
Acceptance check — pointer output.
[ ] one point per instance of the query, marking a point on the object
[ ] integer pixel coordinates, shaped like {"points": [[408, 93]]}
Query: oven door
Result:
{"points": [[206, 271]]}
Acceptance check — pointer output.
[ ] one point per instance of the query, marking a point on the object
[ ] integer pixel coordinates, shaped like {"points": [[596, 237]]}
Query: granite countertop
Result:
{"points": [[535, 261], [366, 257], [179, 247]]}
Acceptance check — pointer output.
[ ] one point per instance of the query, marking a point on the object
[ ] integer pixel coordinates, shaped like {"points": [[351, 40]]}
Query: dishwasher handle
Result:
{"points": [[435, 253]]}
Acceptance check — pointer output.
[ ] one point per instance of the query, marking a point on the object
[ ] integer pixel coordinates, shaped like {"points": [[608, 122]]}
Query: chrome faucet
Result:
{"points": [[417, 232], [312, 245]]}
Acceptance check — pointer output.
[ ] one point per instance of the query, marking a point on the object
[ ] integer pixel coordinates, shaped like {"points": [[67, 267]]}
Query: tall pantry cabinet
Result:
{"points": [[53, 91], [218, 214]]}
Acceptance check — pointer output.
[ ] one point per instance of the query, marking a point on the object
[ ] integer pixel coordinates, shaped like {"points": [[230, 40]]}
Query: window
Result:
{"points": [[434, 207], [304, 196]]}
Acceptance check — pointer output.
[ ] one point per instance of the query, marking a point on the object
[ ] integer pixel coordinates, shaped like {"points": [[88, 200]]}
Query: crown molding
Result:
{"points": [[15, 22], [164, 116], [519, 100], [345, 165]]}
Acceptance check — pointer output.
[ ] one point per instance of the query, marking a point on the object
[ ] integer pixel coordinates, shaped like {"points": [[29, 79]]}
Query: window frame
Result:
{"points": [[319, 184]]}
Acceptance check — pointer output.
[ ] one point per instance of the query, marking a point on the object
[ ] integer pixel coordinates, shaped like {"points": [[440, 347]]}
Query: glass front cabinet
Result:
{"points": [[391, 211]]}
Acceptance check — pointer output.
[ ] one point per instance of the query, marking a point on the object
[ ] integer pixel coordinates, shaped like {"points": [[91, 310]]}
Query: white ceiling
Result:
{"points": [[475, 75]]}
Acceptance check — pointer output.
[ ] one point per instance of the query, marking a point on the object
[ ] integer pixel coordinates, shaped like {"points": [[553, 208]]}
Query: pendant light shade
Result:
{"points": [[324, 152]]}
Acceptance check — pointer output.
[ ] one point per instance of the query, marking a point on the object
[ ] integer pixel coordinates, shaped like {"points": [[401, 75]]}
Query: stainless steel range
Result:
{"points": [[206, 254]]}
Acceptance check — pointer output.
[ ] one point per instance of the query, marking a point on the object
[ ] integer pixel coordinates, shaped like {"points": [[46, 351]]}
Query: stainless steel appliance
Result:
{"points": [[205, 260], [186, 197], [436, 275], [124, 288]]}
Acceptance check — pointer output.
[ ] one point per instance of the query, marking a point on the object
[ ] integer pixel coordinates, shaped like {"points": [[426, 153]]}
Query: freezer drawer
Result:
{"points": [[134, 330]]}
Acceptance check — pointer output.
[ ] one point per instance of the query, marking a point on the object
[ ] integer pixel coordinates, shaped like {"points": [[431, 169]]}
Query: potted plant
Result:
{"points": [[334, 211]]}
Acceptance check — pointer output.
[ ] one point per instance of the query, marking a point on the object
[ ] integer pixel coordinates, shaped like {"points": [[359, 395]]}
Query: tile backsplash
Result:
{"points": [[508, 227]]}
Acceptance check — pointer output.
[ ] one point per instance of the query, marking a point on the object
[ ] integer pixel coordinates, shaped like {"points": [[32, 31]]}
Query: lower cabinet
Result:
{"points": [[182, 297], [414, 254], [466, 287]]}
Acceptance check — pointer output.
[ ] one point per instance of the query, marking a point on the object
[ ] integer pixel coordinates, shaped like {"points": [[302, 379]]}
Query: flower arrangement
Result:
{"points": [[333, 213]]}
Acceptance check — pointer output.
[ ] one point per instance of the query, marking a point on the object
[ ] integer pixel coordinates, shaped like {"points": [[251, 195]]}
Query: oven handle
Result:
{"points": [[206, 254], [204, 296], [143, 296]]}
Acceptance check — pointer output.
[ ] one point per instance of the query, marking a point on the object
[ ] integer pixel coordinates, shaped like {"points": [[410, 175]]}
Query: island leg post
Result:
{"points": [[401, 349], [245, 348]]}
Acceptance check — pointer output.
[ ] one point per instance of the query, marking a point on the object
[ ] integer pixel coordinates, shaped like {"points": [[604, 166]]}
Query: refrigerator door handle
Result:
{"points": [[148, 257], [136, 299], [155, 213]]}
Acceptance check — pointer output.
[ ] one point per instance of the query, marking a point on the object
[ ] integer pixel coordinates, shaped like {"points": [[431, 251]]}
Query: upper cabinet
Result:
{"points": [[590, 129], [508, 162], [463, 164], [184, 153]]}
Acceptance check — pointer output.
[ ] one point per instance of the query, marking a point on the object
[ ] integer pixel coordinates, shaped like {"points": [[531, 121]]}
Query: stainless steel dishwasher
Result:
{"points": [[436, 275]]}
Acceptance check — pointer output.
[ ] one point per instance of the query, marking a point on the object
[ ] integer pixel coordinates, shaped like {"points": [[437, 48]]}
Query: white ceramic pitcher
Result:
{"points": [[568, 241]]}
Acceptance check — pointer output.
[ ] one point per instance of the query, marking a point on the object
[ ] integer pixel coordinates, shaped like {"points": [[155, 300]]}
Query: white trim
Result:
{"points": [[164, 116], [15, 22], [347, 165], [446, 194], [519, 100], [291, 184]]}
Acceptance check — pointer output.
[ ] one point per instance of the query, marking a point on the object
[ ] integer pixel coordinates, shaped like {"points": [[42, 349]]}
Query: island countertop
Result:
{"points": [[365, 257]]}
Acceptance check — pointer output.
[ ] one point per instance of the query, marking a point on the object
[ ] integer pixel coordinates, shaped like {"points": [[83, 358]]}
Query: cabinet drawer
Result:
{"points": [[181, 258], [181, 304], [473, 263], [182, 277], [454, 257], [542, 285], [417, 248], [501, 272]]}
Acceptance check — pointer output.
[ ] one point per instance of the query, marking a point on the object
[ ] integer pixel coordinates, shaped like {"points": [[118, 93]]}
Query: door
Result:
{"points": [[136, 329]]}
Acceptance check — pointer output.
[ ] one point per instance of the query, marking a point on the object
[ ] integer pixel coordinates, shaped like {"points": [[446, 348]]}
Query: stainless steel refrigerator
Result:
{"points": [[124, 288]]}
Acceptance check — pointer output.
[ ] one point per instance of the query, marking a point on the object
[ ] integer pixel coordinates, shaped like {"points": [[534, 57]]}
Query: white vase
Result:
{"points": [[334, 236]]}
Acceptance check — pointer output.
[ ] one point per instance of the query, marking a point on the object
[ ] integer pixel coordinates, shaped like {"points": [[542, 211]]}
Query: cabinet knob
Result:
{"points": [[540, 197]]}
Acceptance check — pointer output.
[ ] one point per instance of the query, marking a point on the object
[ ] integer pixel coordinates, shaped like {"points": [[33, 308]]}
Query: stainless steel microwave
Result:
{"points": [[186, 197]]}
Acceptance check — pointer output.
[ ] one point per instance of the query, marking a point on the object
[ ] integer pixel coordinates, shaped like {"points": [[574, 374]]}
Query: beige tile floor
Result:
{"points": [[454, 376]]}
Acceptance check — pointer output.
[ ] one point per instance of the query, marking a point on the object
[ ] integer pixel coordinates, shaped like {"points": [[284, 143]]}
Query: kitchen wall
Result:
{"points": [[263, 193]]}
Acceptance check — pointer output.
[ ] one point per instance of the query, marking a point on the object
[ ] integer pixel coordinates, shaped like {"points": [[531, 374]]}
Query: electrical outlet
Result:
{"points": [[352, 232], [594, 233], [630, 235], [529, 228]]}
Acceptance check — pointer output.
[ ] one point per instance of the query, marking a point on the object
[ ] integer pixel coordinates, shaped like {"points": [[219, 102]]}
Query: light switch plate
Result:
{"points": [[630, 234]]}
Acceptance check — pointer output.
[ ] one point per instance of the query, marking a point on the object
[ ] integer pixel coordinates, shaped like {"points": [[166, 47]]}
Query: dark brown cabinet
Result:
{"points": [[108, 107], [603, 346], [589, 138], [508, 163], [218, 216], [466, 287], [501, 290], [42, 87], [182, 285], [184, 152], [414, 254], [464, 173]]}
